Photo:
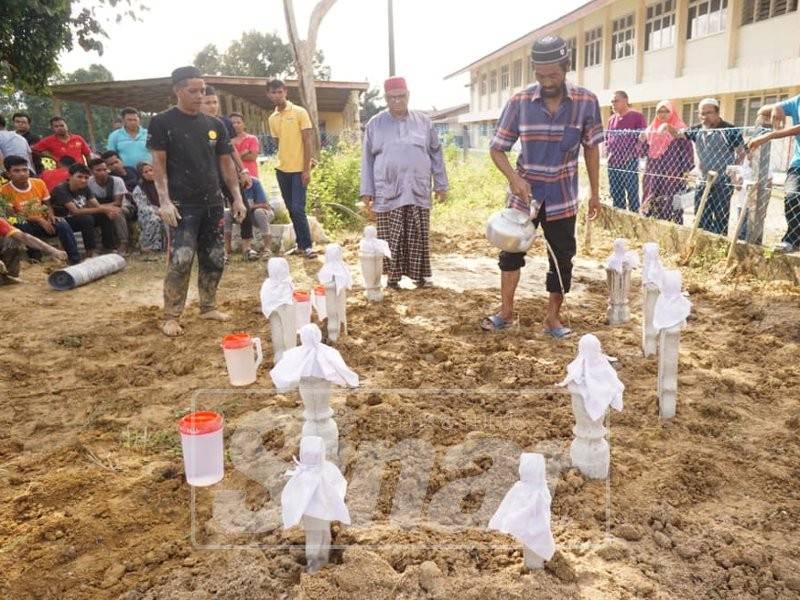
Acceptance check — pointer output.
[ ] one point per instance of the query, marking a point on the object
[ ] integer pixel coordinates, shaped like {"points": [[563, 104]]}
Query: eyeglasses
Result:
{"points": [[397, 98]]}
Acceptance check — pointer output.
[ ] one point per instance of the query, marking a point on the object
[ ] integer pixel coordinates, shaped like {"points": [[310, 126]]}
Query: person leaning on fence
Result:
{"points": [[401, 153], [622, 149], [668, 162], [719, 144], [775, 115], [553, 119]]}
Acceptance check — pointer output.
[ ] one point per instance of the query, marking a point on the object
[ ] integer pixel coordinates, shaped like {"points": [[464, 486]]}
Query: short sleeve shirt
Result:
{"points": [[249, 144], [193, 145], [99, 191], [550, 145], [791, 108], [7, 229], [30, 202], [716, 147], [286, 126], [62, 196], [75, 146], [131, 150]]}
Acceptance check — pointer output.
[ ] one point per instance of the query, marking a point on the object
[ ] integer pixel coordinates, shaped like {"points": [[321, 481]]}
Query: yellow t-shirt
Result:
{"points": [[285, 126], [28, 203]]}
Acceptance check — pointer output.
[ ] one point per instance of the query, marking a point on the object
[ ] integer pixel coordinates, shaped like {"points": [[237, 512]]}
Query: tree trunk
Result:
{"points": [[303, 52]]}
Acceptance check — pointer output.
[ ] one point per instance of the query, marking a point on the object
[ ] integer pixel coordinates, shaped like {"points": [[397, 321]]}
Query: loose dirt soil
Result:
{"points": [[93, 503]]}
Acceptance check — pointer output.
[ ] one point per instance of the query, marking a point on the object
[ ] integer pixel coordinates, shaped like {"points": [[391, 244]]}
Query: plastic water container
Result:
{"points": [[201, 441], [302, 307], [319, 302], [242, 357]]}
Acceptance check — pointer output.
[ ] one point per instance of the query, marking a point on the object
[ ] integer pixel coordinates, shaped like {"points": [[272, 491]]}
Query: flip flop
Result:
{"points": [[494, 323], [558, 333]]}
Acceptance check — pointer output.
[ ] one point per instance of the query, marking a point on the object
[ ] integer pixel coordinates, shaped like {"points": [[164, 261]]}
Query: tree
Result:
{"points": [[33, 33], [256, 54], [303, 52], [371, 104]]}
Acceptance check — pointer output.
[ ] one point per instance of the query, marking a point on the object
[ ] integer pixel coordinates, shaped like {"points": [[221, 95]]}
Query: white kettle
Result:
{"points": [[510, 230]]}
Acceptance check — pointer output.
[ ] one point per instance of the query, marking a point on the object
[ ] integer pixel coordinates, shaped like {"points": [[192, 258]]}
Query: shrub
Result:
{"points": [[334, 190]]}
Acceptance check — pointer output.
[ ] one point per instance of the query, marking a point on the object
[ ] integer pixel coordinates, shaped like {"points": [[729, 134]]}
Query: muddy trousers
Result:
{"points": [[198, 232]]}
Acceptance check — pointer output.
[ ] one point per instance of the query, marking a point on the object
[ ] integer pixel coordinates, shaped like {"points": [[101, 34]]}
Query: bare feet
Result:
{"points": [[215, 315], [171, 328]]}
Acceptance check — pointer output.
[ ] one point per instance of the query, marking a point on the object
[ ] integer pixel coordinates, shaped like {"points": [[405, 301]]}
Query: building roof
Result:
{"points": [[154, 95], [451, 111], [531, 36]]}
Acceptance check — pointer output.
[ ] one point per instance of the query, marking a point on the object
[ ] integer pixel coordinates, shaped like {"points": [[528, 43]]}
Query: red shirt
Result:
{"points": [[7, 229], [52, 177], [75, 146], [249, 143]]}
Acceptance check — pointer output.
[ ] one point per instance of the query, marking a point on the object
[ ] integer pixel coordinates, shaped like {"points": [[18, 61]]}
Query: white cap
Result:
{"points": [[711, 101]]}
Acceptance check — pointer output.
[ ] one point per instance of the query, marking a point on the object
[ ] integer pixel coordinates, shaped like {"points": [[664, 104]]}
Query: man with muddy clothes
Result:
{"points": [[187, 148]]}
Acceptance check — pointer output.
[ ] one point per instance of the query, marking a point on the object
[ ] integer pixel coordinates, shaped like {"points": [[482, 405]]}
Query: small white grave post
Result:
{"points": [[669, 317], [594, 386], [618, 273], [524, 512], [373, 250], [314, 496], [314, 367], [652, 271], [336, 278], [277, 306]]}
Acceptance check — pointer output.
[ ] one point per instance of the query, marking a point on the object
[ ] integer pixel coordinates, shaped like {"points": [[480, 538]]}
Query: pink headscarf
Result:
{"points": [[657, 143]]}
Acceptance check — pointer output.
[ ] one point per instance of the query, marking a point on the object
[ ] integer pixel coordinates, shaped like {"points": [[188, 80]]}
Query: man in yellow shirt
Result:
{"points": [[290, 126]]}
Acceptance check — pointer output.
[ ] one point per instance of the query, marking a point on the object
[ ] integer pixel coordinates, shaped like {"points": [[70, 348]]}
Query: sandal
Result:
{"points": [[558, 333], [309, 253], [494, 323], [251, 255]]}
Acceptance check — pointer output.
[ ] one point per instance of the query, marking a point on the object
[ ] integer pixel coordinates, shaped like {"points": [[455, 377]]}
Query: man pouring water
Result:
{"points": [[552, 119]]}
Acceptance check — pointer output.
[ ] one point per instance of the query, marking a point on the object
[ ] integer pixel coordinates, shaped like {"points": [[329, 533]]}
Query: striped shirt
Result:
{"points": [[550, 145]]}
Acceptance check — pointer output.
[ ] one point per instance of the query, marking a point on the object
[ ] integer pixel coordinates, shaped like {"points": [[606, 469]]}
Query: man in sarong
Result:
{"points": [[402, 152]]}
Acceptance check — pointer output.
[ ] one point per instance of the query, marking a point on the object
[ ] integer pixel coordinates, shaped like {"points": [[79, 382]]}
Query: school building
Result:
{"points": [[745, 53]]}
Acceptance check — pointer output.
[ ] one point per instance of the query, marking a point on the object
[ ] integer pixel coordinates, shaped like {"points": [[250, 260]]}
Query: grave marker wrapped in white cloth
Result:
{"points": [[373, 250], [314, 495], [525, 512], [594, 386], [278, 307], [314, 367], [669, 316], [618, 274], [652, 273], [336, 278]]}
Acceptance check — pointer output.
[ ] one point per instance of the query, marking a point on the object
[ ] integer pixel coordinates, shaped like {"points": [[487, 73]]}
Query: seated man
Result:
{"points": [[52, 177], [30, 199], [12, 247], [260, 213], [110, 189], [73, 201], [129, 175]]}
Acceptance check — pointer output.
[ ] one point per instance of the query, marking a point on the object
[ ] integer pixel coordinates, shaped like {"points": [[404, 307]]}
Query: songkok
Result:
{"points": [[182, 73], [394, 83], [548, 50]]}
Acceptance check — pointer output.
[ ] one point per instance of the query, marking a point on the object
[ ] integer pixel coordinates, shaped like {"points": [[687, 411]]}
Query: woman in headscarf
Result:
{"points": [[668, 161], [152, 233]]}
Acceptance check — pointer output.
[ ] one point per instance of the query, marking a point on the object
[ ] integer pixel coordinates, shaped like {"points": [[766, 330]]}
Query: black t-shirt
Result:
{"points": [[193, 144], [62, 195]]}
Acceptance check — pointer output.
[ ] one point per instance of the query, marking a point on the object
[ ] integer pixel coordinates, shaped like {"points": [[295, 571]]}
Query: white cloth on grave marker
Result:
{"points": [[316, 487], [277, 287], [335, 270], [621, 258], [652, 269], [672, 307], [525, 510], [312, 358], [371, 244], [597, 381]]}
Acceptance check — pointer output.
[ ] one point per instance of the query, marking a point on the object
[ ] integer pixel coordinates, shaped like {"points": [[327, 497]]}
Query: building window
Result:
{"points": [[492, 82], [483, 85], [759, 10], [572, 48], [622, 43], [747, 108], [593, 47], [659, 27], [706, 17], [690, 112], [649, 112], [504, 77], [516, 74]]}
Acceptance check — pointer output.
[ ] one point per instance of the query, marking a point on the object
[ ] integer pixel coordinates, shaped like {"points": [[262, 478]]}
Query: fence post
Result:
{"points": [[758, 215]]}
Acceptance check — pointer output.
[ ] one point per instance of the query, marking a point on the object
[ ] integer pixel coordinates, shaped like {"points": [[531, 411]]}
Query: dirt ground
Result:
{"points": [[93, 503]]}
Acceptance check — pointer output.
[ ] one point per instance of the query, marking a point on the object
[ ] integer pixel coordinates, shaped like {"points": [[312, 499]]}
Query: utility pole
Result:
{"points": [[391, 39]]}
